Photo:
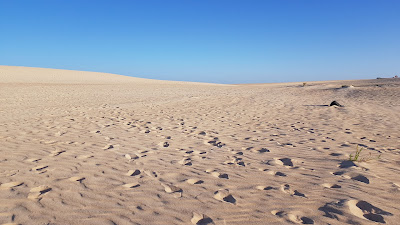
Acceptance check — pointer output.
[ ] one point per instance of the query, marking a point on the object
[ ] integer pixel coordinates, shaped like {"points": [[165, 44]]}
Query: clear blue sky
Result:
{"points": [[220, 41]]}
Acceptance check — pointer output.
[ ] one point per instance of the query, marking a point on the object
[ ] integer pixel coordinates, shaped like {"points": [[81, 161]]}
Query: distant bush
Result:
{"points": [[347, 86]]}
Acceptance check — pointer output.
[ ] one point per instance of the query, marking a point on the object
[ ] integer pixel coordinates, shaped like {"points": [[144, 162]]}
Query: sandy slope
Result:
{"points": [[93, 148]]}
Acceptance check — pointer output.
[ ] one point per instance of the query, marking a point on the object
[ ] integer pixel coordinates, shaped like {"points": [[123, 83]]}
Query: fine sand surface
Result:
{"points": [[95, 148]]}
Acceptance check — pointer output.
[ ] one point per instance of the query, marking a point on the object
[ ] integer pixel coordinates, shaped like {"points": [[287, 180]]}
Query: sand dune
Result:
{"points": [[94, 148]]}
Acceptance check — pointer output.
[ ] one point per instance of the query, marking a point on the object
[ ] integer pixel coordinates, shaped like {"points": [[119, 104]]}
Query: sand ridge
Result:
{"points": [[96, 151]]}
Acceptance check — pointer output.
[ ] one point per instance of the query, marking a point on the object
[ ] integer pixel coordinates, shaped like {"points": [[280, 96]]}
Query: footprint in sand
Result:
{"points": [[287, 189], [33, 160], [130, 157], [131, 185], [194, 181], [277, 173], [396, 186], [235, 161], [197, 152], [247, 148], [40, 169], [143, 151], [84, 156], [328, 185], [164, 144], [365, 210], [169, 188], [59, 133], [284, 162], [187, 153], [224, 196], [262, 150], [201, 219], [332, 209], [360, 178], [38, 192], [219, 175], [209, 170], [264, 188], [215, 142], [237, 153], [108, 138], [294, 217], [353, 176], [141, 154], [150, 173], [346, 164], [338, 173], [57, 152], [203, 133], [11, 185], [185, 161], [146, 131], [132, 173], [76, 179], [108, 147]]}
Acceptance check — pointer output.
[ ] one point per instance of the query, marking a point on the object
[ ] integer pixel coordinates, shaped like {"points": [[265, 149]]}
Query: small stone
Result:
{"points": [[335, 103]]}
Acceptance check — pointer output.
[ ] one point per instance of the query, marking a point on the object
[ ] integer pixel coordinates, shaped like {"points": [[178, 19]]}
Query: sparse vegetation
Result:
{"points": [[356, 157], [304, 84], [347, 86]]}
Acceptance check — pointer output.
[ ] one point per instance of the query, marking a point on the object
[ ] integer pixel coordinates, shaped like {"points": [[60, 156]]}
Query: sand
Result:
{"points": [[95, 148]]}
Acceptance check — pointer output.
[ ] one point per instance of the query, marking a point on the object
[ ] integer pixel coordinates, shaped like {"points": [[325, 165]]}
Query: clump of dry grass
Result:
{"points": [[356, 157]]}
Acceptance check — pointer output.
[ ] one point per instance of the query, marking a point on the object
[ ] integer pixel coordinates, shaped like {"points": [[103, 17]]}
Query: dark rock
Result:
{"points": [[336, 104]]}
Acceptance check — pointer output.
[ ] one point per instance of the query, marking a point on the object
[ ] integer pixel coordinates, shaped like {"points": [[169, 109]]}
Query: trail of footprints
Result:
{"points": [[358, 208]]}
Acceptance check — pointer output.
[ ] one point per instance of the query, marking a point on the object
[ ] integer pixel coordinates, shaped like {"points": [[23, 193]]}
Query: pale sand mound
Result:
{"points": [[15, 74], [95, 148]]}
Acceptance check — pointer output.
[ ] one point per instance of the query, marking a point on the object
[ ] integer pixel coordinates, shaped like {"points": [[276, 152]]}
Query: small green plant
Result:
{"points": [[356, 157], [304, 84]]}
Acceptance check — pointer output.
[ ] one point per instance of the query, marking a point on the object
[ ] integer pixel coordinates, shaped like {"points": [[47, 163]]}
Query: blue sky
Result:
{"points": [[218, 41]]}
